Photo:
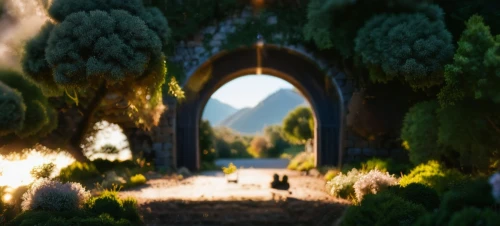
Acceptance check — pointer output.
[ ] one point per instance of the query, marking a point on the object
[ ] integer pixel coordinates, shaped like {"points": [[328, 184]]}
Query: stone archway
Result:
{"points": [[322, 92]]}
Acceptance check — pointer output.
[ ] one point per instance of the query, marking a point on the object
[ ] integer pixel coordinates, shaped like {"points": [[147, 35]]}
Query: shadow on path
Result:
{"points": [[291, 212]]}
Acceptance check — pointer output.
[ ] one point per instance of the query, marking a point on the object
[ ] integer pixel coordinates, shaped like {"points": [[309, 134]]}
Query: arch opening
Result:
{"points": [[320, 91]]}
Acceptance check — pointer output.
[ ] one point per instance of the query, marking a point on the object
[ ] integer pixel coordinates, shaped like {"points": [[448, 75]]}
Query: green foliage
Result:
{"points": [[475, 193], [43, 171], [411, 47], [342, 185], [471, 216], [258, 147], [37, 107], [328, 27], [231, 168], [298, 125], [78, 172], [384, 165], [276, 143], [207, 142], [434, 175], [137, 179], [12, 110], [382, 209], [303, 161], [104, 165], [420, 132], [418, 194], [109, 203], [475, 69]]}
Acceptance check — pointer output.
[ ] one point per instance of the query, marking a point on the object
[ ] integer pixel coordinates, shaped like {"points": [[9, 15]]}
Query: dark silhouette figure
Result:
{"points": [[280, 185], [276, 181]]}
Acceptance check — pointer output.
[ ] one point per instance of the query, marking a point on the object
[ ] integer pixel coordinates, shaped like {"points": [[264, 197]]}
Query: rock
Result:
{"points": [[314, 173], [184, 172]]}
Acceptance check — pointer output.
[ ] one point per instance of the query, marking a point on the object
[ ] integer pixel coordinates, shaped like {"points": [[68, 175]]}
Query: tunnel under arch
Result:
{"points": [[321, 92]]}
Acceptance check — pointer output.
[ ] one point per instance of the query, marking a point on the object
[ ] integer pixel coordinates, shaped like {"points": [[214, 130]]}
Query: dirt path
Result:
{"points": [[209, 200]]}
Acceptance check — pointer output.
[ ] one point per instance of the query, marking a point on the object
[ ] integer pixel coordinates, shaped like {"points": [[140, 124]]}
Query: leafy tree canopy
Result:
{"points": [[333, 24], [413, 47], [298, 125]]}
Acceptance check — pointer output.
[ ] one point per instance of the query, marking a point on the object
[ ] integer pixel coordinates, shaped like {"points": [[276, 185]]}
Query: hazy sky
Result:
{"points": [[248, 91]]}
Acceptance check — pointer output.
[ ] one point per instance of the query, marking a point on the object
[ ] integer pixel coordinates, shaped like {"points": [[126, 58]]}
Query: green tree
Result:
{"points": [[413, 47], [25, 112], [466, 121], [94, 49], [277, 144], [207, 142], [420, 132], [328, 27], [298, 125], [258, 147]]}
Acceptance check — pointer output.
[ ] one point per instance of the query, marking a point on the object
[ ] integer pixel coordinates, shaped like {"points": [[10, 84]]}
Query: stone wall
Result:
{"points": [[193, 53]]}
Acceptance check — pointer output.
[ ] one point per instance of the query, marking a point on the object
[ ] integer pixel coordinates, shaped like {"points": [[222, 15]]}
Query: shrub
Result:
{"points": [[300, 159], [78, 172], [54, 195], [231, 168], [130, 209], [43, 171], [342, 184], [495, 184], [330, 174], [138, 179], [384, 165], [372, 183], [382, 209], [418, 194], [108, 202], [433, 175], [472, 216]]}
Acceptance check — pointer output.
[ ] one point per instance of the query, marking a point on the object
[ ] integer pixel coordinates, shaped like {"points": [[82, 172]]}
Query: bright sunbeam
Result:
{"points": [[109, 133], [15, 171]]}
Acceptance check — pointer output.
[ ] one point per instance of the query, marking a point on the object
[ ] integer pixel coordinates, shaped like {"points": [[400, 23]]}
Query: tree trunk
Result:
{"points": [[75, 142]]}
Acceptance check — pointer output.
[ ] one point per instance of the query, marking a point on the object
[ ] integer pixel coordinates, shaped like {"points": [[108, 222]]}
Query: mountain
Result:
{"points": [[270, 111], [216, 111]]}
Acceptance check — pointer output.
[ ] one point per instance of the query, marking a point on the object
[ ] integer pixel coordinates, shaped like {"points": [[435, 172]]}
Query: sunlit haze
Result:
{"points": [[248, 91]]}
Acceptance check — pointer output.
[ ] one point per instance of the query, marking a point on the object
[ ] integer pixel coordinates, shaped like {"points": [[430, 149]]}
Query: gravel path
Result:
{"points": [[208, 200]]}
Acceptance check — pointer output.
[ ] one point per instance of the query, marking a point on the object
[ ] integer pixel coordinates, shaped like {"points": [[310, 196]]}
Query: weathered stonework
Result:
{"points": [[191, 54]]}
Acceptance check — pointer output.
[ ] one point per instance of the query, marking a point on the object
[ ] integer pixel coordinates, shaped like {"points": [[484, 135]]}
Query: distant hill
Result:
{"points": [[216, 111], [270, 111]]}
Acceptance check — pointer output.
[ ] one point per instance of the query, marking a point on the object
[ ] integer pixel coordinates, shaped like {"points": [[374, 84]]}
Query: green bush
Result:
{"points": [[137, 179], [384, 165], [302, 161], [330, 174], [382, 209], [108, 202], [130, 209], [104, 165], [78, 172], [472, 216], [418, 194], [433, 175]]}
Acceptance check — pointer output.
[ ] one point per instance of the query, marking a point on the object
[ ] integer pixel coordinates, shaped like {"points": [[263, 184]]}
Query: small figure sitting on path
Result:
{"points": [[280, 185], [284, 185], [276, 181]]}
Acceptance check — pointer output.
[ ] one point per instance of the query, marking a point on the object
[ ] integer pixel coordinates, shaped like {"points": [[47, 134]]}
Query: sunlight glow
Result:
{"points": [[7, 197], [112, 134], [15, 170]]}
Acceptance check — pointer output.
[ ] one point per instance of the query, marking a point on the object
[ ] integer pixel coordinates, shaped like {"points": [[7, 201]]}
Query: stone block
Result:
{"points": [[209, 30], [382, 152], [215, 43], [368, 151], [157, 146], [272, 20], [354, 151], [219, 36]]}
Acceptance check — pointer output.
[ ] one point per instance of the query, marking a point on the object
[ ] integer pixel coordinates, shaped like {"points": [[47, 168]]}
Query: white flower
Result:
{"points": [[372, 183], [53, 195]]}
